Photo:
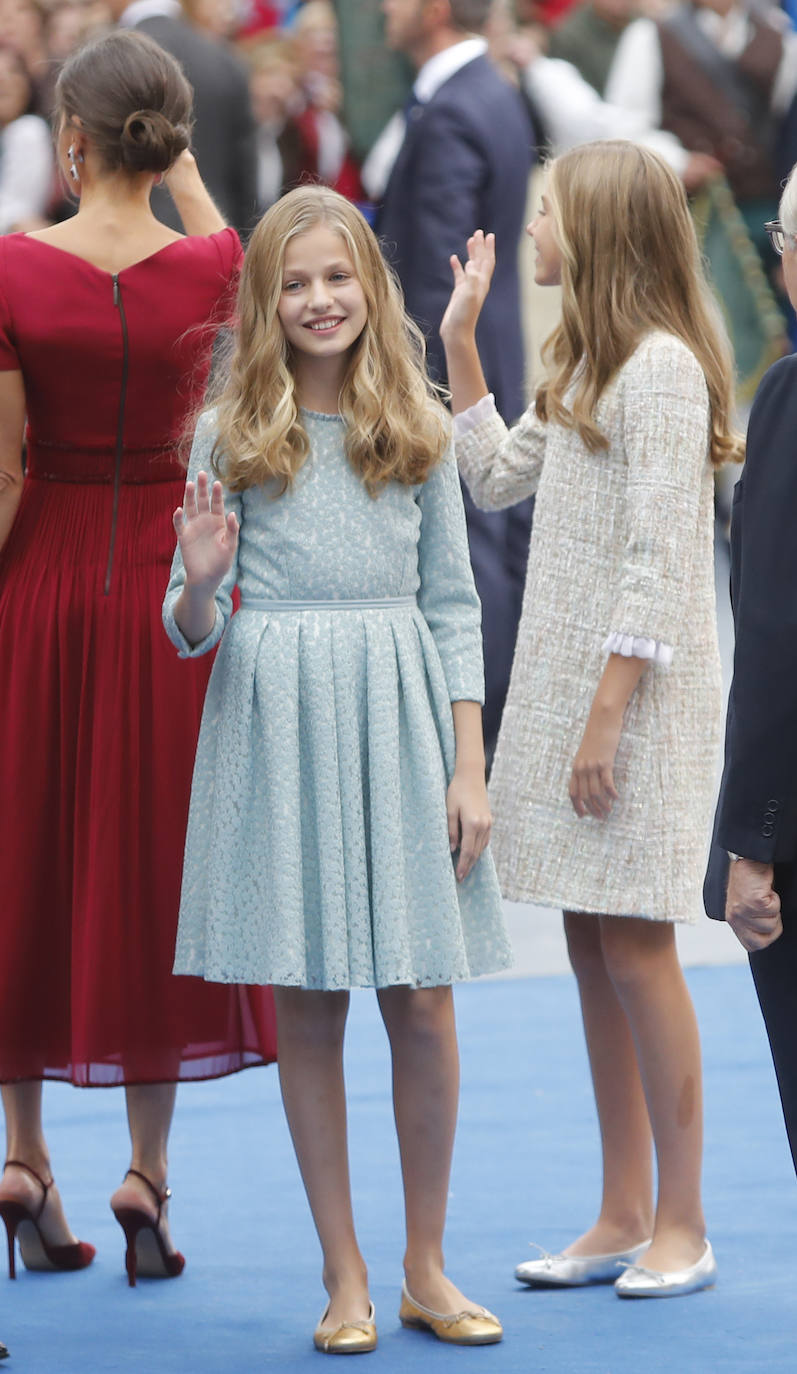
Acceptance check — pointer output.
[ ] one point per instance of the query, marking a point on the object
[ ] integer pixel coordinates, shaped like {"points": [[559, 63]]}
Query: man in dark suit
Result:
{"points": [[752, 875], [224, 137], [463, 153]]}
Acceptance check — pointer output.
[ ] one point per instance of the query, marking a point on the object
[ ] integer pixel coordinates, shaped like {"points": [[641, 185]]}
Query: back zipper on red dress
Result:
{"points": [[120, 429]]}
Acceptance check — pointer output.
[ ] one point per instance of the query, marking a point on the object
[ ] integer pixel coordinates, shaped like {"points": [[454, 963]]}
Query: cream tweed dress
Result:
{"points": [[623, 547]]}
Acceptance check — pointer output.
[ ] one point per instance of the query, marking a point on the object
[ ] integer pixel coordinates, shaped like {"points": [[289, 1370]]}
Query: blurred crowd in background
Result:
{"points": [[288, 91]]}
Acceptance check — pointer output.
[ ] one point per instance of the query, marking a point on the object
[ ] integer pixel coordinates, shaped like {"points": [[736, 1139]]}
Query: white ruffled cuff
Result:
{"points": [[636, 646], [468, 419]]}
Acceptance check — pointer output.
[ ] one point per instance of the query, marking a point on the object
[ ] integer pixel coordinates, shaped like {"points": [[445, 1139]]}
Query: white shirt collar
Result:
{"points": [[149, 9], [443, 65]]}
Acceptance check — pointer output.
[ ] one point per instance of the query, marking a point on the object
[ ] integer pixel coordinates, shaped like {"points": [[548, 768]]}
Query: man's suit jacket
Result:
{"points": [[464, 165], [757, 809], [224, 138]]}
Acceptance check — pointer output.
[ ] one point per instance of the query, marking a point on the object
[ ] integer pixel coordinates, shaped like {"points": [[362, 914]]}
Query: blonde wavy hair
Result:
{"points": [[397, 428], [630, 264]]}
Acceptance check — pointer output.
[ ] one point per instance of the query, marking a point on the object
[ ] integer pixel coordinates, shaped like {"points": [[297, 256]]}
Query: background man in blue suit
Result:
{"points": [[457, 158]]}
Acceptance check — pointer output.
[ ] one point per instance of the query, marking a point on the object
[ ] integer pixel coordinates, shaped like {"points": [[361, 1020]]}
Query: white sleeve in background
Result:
{"points": [[636, 74], [26, 171], [574, 113]]}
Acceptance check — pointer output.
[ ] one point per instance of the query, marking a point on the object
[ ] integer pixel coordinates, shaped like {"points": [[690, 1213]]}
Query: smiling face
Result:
{"points": [[548, 263], [322, 306]]}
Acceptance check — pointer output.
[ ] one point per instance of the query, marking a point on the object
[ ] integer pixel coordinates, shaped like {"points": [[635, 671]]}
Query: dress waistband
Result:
{"points": [[138, 467], [260, 603]]}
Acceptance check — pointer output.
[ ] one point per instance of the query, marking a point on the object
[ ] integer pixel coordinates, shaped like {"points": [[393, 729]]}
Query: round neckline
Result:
{"points": [[103, 271], [320, 414]]}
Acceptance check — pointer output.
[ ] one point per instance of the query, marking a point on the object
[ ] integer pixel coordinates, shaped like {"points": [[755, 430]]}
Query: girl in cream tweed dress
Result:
{"points": [[604, 775]]}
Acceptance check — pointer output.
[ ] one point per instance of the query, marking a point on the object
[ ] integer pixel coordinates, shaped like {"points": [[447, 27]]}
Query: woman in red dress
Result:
{"points": [[106, 329]]}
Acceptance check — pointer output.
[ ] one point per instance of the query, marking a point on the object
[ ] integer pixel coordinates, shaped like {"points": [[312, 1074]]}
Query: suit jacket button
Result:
{"points": [[773, 805]]}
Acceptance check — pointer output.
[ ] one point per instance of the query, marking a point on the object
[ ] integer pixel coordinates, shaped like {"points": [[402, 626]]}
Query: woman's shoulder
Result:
{"points": [[12, 256], [661, 346], [224, 246], [662, 358]]}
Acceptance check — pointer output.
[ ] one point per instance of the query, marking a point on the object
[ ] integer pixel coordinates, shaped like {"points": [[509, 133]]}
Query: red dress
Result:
{"points": [[98, 716]]}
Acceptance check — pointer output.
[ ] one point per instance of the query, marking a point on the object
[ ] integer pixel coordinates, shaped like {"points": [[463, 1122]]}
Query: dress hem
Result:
{"points": [[512, 894], [350, 987], [63, 1076]]}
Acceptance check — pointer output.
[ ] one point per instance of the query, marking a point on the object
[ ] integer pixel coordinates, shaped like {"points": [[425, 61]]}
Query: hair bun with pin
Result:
{"points": [[150, 142]]}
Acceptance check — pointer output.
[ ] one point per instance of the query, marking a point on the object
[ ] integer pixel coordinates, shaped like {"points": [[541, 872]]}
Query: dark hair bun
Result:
{"points": [[131, 99], [150, 142]]}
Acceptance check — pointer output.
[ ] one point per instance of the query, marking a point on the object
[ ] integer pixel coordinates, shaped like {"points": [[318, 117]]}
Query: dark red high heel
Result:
{"points": [[146, 1252], [22, 1224]]}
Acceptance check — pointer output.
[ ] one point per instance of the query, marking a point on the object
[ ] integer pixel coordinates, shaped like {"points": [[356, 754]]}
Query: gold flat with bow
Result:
{"points": [[477, 1327], [349, 1338]]}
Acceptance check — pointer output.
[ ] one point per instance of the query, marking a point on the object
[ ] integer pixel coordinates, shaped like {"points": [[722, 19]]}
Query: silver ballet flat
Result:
{"points": [[638, 1282], [575, 1271]]}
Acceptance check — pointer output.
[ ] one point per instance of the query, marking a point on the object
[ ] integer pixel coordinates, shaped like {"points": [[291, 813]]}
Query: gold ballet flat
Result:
{"points": [[350, 1338], [458, 1328]]}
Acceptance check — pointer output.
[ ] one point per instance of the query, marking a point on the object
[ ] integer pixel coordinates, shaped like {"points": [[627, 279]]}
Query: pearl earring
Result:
{"points": [[73, 168]]}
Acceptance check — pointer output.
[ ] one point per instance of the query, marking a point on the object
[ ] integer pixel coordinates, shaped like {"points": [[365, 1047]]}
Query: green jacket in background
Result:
{"points": [[376, 81]]}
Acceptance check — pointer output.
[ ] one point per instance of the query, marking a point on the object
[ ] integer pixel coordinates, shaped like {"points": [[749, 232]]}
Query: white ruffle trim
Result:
{"points": [[468, 419], [636, 646]]}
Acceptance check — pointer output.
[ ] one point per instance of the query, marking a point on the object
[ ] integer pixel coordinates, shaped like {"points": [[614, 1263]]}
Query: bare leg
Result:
{"points": [[22, 1103], [150, 1107], [422, 1032], [626, 1214], [310, 1028], [642, 962]]}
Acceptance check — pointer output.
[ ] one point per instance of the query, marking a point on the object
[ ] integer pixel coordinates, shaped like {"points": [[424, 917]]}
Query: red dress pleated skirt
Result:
{"points": [[98, 728]]}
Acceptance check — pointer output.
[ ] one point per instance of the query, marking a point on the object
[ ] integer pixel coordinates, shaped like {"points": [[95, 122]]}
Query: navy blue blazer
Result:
{"points": [[757, 809], [464, 165]]}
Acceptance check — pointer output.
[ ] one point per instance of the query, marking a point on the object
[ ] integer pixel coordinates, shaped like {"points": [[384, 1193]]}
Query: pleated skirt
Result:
{"points": [[98, 731], [317, 852]]}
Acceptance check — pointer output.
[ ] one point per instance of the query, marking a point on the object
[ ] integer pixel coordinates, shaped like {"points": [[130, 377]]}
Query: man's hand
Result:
{"points": [[752, 907]]}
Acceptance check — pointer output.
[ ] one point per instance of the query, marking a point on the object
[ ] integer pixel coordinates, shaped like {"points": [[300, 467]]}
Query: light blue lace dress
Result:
{"points": [[317, 852]]}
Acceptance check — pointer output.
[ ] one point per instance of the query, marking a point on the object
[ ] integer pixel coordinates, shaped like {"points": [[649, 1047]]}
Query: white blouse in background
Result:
{"points": [[26, 171]]}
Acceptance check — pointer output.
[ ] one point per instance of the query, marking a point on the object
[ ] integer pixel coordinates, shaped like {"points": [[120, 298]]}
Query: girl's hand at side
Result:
{"points": [[592, 790], [469, 818], [471, 285], [207, 535]]}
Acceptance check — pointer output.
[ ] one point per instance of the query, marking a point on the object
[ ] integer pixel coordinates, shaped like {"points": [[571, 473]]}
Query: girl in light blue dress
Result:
{"points": [[339, 816]]}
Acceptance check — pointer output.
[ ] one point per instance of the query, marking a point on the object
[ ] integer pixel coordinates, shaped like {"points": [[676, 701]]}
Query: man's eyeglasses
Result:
{"points": [[777, 235]]}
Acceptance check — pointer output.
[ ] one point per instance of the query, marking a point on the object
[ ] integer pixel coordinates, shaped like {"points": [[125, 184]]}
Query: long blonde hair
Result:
{"points": [[630, 264], [396, 425]]}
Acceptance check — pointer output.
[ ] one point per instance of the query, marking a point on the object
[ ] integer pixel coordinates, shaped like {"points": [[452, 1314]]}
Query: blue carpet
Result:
{"points": [[526, 1168]]}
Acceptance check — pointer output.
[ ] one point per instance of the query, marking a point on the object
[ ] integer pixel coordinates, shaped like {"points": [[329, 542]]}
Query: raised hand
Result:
{"points": [[471, 285], [207, 535]]}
